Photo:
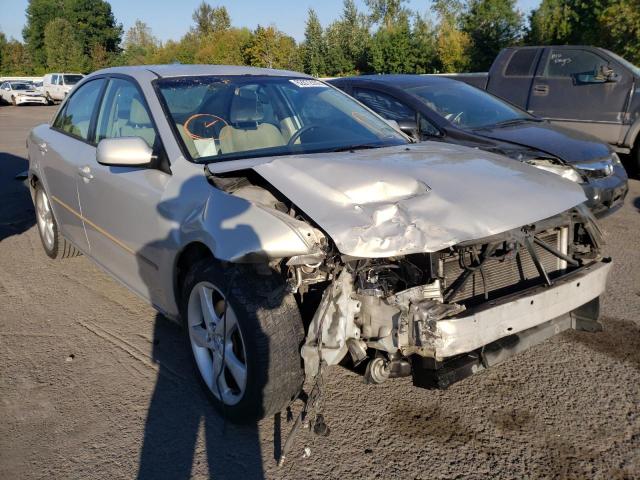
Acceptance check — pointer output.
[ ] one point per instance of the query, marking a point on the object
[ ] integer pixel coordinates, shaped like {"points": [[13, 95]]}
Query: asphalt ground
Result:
{"points": [[95, 384]]}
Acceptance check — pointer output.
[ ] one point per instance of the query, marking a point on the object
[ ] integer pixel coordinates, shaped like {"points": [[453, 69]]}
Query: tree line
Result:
{"points": [[387, 37]]}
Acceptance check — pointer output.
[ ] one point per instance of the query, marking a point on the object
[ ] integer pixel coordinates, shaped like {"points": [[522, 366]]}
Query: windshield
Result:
{"points": [[20, 86], [625, 63], [465, 106], [71, 79], [222, 118]]}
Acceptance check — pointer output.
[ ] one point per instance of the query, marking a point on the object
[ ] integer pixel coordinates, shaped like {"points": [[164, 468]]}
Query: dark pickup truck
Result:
{"points": [[583, 88]]}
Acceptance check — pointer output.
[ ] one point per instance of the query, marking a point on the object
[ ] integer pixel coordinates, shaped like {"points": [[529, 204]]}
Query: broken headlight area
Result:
{"points": [[438, 312]]}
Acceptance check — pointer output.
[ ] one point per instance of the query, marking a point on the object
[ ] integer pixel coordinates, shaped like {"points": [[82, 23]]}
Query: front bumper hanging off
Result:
{"points": [[499, 329]]}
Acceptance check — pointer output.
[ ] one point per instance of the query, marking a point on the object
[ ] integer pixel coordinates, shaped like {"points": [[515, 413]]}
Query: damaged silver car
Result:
{"points": [[290, 228]]}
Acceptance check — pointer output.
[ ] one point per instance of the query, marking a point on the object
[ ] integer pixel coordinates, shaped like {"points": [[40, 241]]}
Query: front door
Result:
{"points": [[65, 149], [120, 204], [570, 89]]}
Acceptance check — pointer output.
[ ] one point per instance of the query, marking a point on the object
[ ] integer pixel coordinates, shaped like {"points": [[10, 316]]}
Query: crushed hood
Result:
{"points": [[413, 198]]}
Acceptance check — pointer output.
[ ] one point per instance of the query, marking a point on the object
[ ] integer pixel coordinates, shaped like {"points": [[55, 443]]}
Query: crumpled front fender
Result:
{"points": [[237, 230]]}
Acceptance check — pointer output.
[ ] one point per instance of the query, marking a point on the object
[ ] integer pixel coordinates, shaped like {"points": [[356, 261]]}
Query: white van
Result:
{"points": [[56, 86]]}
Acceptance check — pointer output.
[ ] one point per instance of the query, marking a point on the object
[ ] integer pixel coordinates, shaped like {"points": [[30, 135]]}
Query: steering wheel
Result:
{"points": [[455, 119], [304, 129], [206, 124]]}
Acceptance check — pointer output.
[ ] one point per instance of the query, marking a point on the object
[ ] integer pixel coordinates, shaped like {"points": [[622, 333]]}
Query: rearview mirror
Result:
{"points": [[124, 152]]}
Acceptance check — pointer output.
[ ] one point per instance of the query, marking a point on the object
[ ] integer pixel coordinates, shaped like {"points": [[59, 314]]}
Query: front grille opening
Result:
{"points": [[504, 274]]}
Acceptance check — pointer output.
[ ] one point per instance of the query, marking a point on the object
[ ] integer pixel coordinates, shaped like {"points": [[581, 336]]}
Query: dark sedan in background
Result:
{"points": [[437, 108]]}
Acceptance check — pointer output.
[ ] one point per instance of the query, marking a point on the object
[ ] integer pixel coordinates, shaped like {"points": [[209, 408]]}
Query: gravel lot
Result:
{"points": [[95, 384]]}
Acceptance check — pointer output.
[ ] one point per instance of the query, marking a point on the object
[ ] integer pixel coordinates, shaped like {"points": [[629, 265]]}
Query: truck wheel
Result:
{"points": [[49, 100], [252, 368], [54, 244]]}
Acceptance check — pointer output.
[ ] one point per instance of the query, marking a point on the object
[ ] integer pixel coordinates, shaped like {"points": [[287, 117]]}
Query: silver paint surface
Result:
{"points": [[416, 198]]}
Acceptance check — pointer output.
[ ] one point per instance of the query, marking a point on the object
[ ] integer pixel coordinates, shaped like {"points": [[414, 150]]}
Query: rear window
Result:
{"points": [[521, 63]]}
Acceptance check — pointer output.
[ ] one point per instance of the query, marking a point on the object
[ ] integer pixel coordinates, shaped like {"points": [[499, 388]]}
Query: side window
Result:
{"points": [[384, 105], [124, 114], [427, 128], [521, 63], [75, 119], [577, 64], [54, 80]]}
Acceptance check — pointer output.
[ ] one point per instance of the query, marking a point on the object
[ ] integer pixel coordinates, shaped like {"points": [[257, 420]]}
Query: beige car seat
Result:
{"points": [[139, 124], [245, 132]]}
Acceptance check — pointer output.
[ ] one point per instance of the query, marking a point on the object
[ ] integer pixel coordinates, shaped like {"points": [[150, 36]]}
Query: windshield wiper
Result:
{"points": [[357, 146], [513, 121]]}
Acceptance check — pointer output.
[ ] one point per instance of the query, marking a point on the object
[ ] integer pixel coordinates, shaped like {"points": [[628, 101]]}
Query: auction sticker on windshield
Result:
{"points": [[307, 83]]}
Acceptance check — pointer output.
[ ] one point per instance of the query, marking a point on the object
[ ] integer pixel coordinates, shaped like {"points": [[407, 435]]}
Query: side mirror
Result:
{"points": [[124, 152], [409, 126]]}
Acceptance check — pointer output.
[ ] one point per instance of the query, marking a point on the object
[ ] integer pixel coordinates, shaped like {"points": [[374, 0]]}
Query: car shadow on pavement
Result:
{"points": [[636, 203], [180, 408], [179, 411], [16, 208]]}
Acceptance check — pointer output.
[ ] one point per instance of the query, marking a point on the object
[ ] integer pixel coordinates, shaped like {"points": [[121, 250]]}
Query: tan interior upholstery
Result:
{"points": [[245, 131], [139, 124]]}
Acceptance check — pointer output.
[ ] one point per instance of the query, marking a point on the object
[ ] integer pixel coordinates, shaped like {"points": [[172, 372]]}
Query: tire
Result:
{"points": [[264, 334], [53, 243], [13, 100]]}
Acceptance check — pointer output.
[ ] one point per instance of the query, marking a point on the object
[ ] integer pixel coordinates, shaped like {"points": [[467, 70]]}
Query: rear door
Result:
{"points": [[512, 75], [65, 148], [121, 204], [570, 90]]}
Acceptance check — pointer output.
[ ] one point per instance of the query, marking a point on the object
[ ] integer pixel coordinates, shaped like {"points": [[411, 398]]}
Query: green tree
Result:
{"points": [[93, 24], [386, 12], [38, 14], [452, 47], [139, 44], [552, 22], [14, 58], [226, 47], [452, 43], [347, 42], [314, 48], [391, 49], [210, 19], [63, 50], [491, 26], [270, 48], [621, 28], [423, 45]]}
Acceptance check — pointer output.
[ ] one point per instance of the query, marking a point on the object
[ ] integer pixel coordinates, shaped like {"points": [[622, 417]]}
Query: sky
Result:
{"points": [[170, 19]]}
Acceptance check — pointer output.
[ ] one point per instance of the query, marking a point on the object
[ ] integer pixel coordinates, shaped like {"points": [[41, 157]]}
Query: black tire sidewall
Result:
{"points": [[53, 252], [254, 404]]}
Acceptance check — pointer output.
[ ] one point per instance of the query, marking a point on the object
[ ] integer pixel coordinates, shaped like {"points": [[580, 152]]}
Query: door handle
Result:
{"points": [[85, 173], [541, 89]]}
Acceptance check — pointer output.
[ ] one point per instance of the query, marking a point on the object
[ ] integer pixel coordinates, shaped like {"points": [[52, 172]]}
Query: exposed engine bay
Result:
{"points": [[442, 311]]}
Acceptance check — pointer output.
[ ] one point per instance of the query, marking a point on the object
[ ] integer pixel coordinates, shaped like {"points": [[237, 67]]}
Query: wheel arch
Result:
{"points": [[191, 253]]}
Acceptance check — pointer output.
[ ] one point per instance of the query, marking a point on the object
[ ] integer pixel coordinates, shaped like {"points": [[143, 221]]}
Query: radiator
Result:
{"points": [[505, 275]]}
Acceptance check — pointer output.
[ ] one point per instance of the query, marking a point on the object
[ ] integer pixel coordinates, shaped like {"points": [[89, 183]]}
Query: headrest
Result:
{"points": [[138, 114], [245, 107]]}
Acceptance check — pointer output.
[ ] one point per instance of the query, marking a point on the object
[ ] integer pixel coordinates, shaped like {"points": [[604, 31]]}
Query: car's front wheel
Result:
{"points": [[245, 333], [54, 244]]}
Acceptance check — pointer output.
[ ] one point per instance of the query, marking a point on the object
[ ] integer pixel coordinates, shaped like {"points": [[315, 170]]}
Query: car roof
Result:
{"points": [[180, 70], [399, 80]]}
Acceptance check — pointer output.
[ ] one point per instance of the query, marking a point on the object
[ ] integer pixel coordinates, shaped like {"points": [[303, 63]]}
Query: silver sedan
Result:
{"points": [[290, 229]]}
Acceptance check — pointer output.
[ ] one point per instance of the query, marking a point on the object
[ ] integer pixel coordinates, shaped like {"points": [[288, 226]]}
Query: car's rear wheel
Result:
{"points": [[54, 244], [245, 333]]}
